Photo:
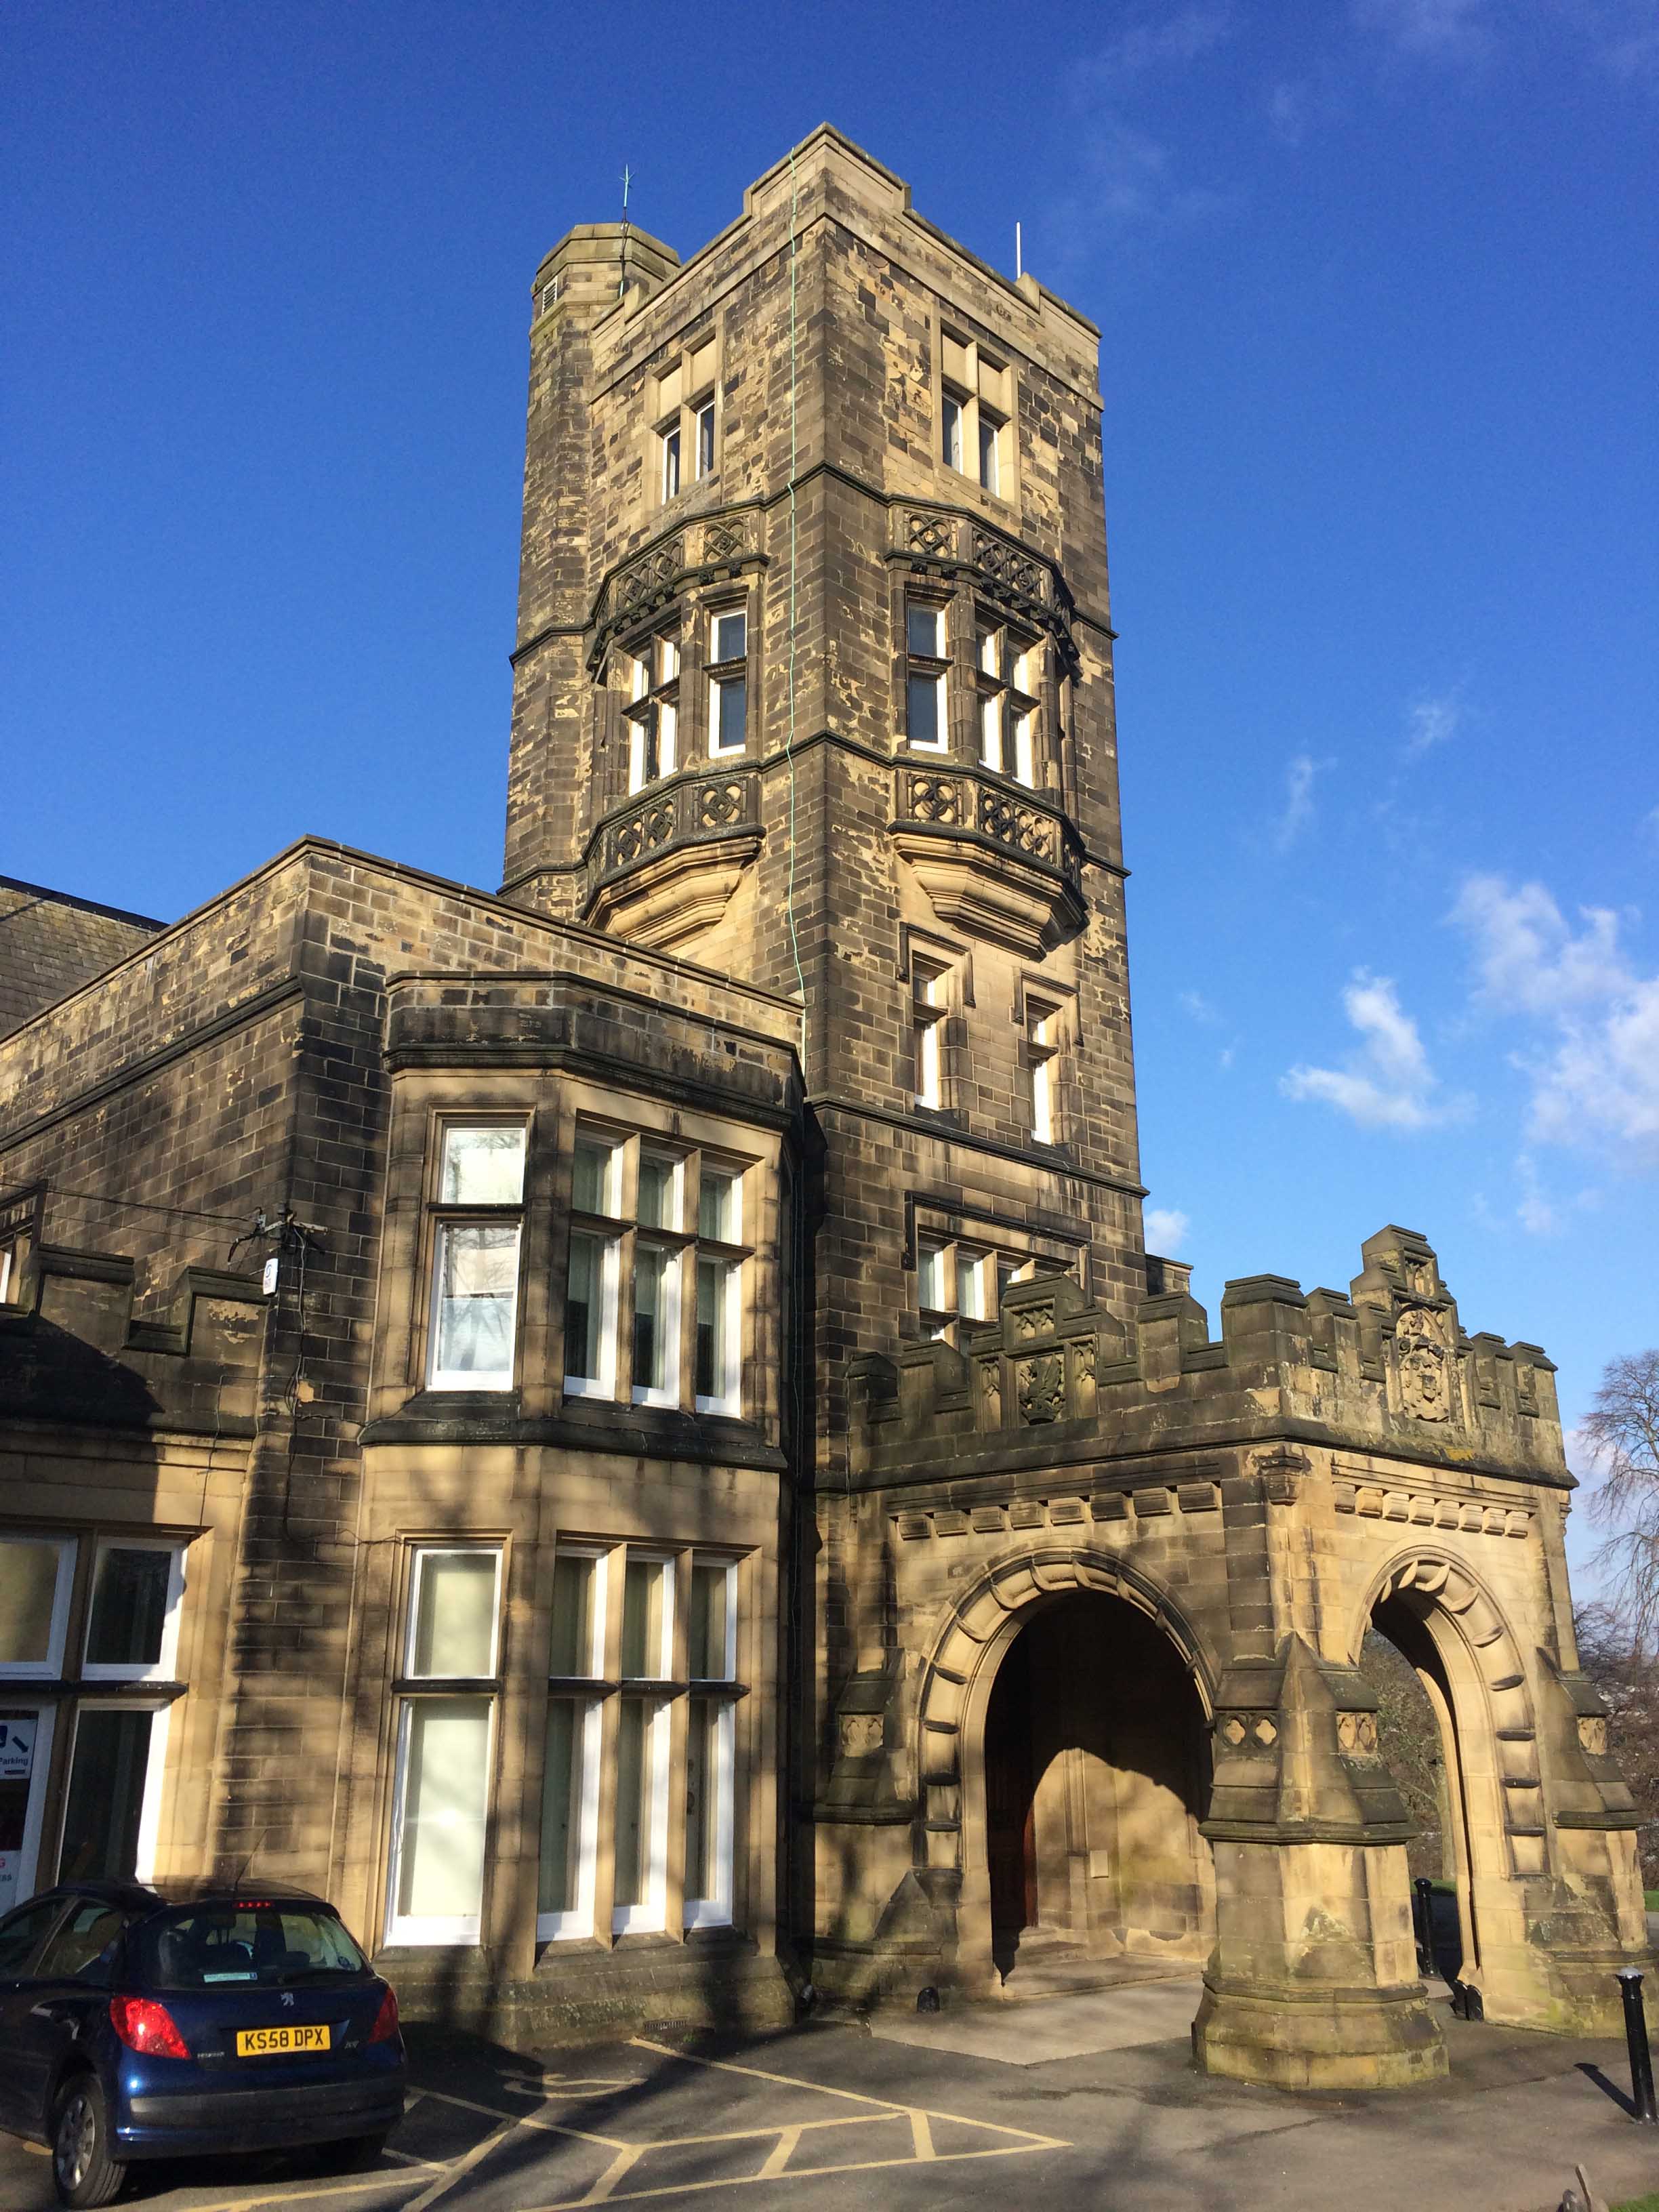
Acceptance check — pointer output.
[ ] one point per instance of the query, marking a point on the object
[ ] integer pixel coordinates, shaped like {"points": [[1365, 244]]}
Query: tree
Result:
{"points": [[1628, 1678], [1620, 1434]]}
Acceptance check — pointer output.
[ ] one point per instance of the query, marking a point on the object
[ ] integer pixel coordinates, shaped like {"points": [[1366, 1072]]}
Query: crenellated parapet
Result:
{"points": [[1385, 1369], [73, 1350]]}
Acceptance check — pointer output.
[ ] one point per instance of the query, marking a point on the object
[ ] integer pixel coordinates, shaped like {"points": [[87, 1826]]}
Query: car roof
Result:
{"points": [[127, 1894], [147, 1896], [252, 1889]]}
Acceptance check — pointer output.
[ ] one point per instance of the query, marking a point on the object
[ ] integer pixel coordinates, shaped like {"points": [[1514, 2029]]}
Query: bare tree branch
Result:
{"points": [[1620, 1434]]}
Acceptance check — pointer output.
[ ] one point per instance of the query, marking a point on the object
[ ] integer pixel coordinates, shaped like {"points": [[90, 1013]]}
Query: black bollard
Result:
{"points": [[1636, 2035], [1423, 1919]]}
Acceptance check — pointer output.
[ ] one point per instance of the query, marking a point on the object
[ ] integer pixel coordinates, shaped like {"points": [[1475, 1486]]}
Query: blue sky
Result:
{"points": [[1378, 287]]}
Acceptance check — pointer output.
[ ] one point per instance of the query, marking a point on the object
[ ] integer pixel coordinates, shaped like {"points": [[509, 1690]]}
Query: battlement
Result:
{"points": [[1384, 1368], [72, 1349]]}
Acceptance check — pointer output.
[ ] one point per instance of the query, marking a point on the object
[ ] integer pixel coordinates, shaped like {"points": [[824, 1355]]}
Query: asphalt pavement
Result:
{"points": [[828, 2117]]}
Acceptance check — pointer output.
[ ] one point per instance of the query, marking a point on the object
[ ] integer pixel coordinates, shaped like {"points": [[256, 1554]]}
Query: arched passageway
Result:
{"points": [[1096, 1779], [1419, 1738]]}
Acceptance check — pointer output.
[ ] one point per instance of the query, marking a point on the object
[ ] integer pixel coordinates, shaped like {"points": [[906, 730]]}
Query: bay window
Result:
{"points": [[570, 1776], [711, 1730], [638, 1898], [478, 1225], [632, 1271], [728, 681], [653, 711], [444, 1745], [926, 726], [719, 1278], [1006, 672], [594, 1269]]}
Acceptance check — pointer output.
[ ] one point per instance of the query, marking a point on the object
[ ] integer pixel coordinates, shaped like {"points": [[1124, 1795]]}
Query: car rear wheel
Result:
{"points": [[81, 2166]]}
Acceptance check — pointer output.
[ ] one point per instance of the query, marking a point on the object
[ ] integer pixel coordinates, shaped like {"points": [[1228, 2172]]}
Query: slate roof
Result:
{"points": [[51, 943]]}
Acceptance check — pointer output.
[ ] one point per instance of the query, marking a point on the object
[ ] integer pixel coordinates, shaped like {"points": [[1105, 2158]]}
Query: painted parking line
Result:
{"points": [[790, 2149]]}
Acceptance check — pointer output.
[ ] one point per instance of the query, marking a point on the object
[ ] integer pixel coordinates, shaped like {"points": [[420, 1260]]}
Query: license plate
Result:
{"points": [[264, 2042]]}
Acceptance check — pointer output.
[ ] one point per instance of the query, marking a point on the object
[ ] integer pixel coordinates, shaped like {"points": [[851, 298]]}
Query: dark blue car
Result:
{"points": [[135, 2025]]}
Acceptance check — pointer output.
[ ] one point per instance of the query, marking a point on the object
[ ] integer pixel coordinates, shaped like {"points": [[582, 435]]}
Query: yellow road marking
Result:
{"points": [[801, 2173], [527, 2120], [623, 2163], [453, 2172], [921, 2135], [758, 2074], [857, 2096], [780, 2153]]}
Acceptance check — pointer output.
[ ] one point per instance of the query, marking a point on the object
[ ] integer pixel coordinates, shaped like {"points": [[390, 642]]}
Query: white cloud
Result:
{"points": [[1195, 1003], [1595, 1071], [1433, 719], [1297, 811], [1129, 179], [1527, 960], [1388, 1084], [1167, 1231], [1179, 38], [1535, 1213], [1437, 30]]}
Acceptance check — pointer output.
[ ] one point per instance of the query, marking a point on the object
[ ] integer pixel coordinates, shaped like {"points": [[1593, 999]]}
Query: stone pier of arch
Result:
{"points": [[1332, 1462]]}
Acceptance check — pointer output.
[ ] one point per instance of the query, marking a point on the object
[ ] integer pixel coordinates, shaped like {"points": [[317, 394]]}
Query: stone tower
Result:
{"points": [[814, 686]]}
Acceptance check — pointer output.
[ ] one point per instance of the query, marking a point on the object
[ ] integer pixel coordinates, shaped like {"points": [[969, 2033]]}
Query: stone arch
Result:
{"points": [[954, 1696], [1484, 1703]]}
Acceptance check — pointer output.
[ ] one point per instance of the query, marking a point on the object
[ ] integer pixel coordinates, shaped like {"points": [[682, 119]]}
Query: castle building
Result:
{"points": [[624, 1429]]}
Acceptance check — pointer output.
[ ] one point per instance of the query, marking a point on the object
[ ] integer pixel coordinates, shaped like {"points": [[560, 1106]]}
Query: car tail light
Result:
{"points": [[385, 2020], [144, 2025]]}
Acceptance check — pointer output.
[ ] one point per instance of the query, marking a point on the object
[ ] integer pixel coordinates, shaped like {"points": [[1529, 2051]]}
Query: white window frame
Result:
{"points": [[670, 472], [420, 1555], [703, 450], [730, 1399], [953, 418], [45, 1716], [471, 1378], [919, 668], [587, 1138], [675, 1162], [668, 1322], [161, 1668], [57, 1630], [603, 1384], [155, 1758], [651, 1914], [927, 1015], [577, 1921], [716, 1911], [1042, 1049], [459, 1928]]}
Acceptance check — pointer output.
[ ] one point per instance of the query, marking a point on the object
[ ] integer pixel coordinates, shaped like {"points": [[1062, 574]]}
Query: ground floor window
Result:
{"points": [[445, 1731], [112, 1810], [25, 1756], [641, 1744], [438, 1853]]}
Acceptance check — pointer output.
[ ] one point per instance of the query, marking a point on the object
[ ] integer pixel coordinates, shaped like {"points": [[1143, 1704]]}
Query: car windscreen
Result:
{"points": [[221, 1946]]}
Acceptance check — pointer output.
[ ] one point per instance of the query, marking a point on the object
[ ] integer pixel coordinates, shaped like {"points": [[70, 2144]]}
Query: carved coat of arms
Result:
{"points": [[1425, 1368]]}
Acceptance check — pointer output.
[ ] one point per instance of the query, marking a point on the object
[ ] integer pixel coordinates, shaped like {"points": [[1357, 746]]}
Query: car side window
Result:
{"points": [[21, 1933], [79, 1950]]}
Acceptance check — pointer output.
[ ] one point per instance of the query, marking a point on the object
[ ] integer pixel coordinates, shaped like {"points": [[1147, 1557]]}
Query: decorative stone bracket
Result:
{"points": [[661, 867], [997, 861]]}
